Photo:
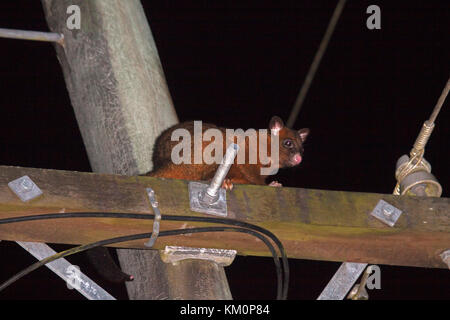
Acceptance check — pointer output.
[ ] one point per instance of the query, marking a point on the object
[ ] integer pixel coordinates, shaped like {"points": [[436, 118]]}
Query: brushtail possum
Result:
{"points": [[290, 153]]}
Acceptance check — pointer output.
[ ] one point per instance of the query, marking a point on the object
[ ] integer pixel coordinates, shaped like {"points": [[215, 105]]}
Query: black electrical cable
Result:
{"points": [[149, 216], [147, 235], [175, 218]]}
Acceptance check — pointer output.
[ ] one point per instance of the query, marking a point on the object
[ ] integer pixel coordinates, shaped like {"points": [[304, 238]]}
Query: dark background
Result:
{"points": [[237, 65]]}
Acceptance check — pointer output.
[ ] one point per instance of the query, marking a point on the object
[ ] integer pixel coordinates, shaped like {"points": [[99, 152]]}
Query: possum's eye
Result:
{"points": [[287, 143]]}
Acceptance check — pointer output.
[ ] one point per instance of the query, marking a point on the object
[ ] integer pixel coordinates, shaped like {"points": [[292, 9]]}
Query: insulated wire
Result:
{"points": [[146, 235], [165, 217], [281, 293]]}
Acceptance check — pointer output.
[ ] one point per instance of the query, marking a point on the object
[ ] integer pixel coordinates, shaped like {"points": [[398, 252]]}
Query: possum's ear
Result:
{"points": [[275, 125], [303, 133]]}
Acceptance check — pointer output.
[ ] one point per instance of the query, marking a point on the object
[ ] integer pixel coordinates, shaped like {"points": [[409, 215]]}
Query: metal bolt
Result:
{"points": [[32, 35], [211, 193], [26, 184]]}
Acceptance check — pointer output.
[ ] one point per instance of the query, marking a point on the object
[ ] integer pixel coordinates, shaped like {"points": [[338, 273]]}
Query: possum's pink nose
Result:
{"points": [[297, 158]]}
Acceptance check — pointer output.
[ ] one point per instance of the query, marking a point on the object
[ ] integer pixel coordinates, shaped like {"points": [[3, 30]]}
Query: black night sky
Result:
{"points": [[236, 65]]}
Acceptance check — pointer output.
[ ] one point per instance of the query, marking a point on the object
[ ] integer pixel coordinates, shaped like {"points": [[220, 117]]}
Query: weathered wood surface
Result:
{"points": [[312, 224], [115, 82], [122, 103]]}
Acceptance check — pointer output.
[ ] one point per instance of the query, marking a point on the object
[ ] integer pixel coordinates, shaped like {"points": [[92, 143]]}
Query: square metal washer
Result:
{"points": [[218, 208], [25, 188], [386, 212]]}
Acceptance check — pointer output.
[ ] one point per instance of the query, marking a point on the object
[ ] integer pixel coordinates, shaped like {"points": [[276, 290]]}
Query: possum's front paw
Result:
{"points": [[227, 184], [275, 184]]}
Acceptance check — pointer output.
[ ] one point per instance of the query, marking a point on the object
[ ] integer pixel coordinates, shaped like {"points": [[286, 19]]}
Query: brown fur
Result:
{"points": [[239, 173]]}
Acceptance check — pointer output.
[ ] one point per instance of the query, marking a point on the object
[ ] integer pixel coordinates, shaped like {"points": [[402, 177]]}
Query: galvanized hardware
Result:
{"points": [[222, 257], [218, 208], [386, 212], [342, 281], [157, 219], [418, 180], [32, 35], [25, 188], [212, 198], [62, 267], [446, 257]]}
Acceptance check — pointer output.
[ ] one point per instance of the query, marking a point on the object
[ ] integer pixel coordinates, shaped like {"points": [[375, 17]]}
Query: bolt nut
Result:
{"points": [[387, 211]]}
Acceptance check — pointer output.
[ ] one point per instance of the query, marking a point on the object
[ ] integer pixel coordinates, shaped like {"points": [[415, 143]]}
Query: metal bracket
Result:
{"points": [[27, 190], [222, 257], [61, 267], [342, 281], [157, 219], [211, 198], [349, 272], [359, 291], [386, 212]]}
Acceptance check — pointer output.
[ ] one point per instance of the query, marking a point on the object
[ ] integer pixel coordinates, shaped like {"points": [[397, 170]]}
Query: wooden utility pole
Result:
{"points": [[121, 101]]}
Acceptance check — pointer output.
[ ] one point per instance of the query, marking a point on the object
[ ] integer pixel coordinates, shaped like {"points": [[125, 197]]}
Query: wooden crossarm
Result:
{"points": [[312, 224]]}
